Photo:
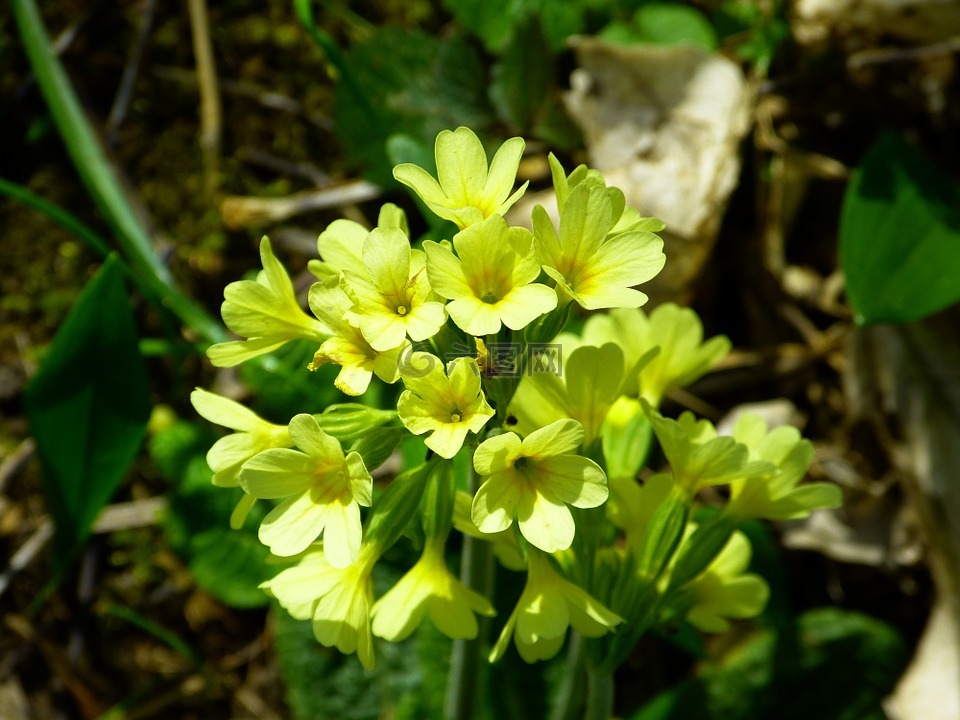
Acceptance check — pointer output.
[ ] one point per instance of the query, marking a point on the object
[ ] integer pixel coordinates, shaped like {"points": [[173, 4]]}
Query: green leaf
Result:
{"points": [[754, 30], [322, 684], [844, 665], [98, 175], [493, 21], [521, 77], [229, 564], [900, 236], [664, 24], [419, 85], [284, 387], [88, 408]]}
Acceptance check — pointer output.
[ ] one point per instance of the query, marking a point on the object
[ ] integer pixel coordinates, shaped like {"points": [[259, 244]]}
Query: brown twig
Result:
{"points": [[13, 462], [889, 55], [125, 89], [211, 115], [241, 212]]}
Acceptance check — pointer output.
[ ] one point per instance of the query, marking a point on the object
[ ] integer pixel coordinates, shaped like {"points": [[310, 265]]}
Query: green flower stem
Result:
{"points": [[95, 171], [599, 696], [570, 694], [466, 662]]}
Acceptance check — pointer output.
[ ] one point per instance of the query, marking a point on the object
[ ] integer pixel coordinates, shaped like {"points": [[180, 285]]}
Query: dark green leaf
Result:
{"points": [[419, 85], [521, 77], [284, 386], [664, 24], [229, 564], [900, 236], [844, 665], [755, 30], [493, 21], [322, 684], [88, 408]]}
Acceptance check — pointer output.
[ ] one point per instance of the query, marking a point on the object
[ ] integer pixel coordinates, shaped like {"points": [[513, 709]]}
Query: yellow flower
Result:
{"points": [[697, 457], [778, 496], [725, 590], [341, 250], [594, 268], [337, 600], [534, 479], [324, 491], [229, 453], [254, 435], [505, 546], [586, 389], [467, 193], [548, 606], [447, 405], [677, 335], [346, 346], [429, 588], [491, 282], [265, 312], [392, 298]]}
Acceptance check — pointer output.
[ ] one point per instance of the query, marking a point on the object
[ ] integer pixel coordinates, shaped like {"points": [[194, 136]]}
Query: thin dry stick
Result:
{"points": [[211, 115], [12, 463], [890, 55], [241, 212], [121, 516], [125, 90]]}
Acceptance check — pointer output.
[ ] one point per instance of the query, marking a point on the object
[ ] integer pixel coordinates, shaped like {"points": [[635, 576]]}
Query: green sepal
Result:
{"points": [[626, 438], [395, 508], [664, 534], [701, 549], [437, 503], [349, 421], [636, 600], [546, 327], [377, 445]]}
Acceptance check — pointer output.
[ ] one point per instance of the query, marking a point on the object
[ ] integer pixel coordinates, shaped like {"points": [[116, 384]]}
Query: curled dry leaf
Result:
{"points": [[664, 124]]}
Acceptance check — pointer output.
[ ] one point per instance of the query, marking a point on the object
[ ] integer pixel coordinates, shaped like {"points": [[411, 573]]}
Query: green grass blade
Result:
{"points": [[97, 175]]}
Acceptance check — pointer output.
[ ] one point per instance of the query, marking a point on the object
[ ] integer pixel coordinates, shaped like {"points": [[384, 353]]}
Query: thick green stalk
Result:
{"points": [[569, 700], [95, 171], [599, 696], [466, 662]]}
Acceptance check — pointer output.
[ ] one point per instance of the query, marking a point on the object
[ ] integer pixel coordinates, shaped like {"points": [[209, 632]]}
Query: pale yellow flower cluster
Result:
{"points": [[549, 447]]}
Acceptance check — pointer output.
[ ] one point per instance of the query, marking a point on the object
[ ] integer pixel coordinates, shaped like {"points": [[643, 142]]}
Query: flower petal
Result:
{"points": [[496, 503], [292, 525], [461, 165], [226, 412], [546, 522], [496, 453], [278, 473], [342, 534], [575, 480], [307, 435], [558, 438]]}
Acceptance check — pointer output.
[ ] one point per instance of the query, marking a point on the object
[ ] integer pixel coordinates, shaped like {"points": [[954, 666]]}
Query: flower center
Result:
{"points": [[489, 298], [455, 417], [401, 309]]}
